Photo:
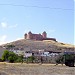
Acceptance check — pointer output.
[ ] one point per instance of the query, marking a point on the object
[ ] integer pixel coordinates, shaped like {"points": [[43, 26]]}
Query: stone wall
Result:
{"points": [[41, 37]]}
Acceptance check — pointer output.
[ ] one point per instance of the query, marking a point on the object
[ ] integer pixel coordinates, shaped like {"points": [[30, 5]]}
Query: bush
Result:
{"points": [[69, 56], [11, 57], [60, 59], [20, 59], [5, 55], [69, 59], [1, 60], [30, 59]]}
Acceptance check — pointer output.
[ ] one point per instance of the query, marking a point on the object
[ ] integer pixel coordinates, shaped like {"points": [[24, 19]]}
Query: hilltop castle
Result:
{"points": [[40, 37]]}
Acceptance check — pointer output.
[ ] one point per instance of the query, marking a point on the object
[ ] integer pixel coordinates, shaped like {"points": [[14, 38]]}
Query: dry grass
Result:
{"points": [[46, 44], [59, 43], [35, 69]]}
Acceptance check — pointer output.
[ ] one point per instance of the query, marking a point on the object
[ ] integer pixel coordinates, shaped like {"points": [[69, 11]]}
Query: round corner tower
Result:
{"points": [[29, 36], [25, 36], [44, 34]]}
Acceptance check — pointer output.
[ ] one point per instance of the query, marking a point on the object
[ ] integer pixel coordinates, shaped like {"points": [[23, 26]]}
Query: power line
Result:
{"points": [[37, 7]]}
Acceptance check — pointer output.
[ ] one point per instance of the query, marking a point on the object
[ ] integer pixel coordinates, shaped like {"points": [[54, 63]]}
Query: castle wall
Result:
{"points": [[29, 35], [38, 36], [49, 39]]}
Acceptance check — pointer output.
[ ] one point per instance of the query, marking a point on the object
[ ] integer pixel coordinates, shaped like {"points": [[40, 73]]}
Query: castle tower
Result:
{"points": [[25, 36], [29, 36], [44, 34]]}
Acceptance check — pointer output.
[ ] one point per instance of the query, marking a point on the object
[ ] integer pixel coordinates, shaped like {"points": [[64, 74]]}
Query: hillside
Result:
{"points": [[1, 51], [47, 45]]}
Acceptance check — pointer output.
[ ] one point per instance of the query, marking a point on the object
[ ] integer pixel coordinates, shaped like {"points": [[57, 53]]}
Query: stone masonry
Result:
{"points": [[40, 37]]}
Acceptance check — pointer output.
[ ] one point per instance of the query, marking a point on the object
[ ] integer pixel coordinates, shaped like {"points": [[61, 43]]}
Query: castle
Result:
{"points": [[40, 37]]}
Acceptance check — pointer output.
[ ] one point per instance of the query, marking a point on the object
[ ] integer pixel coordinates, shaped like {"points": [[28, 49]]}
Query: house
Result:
{"points": [[22, 52], [17, 51], [27, 54]]}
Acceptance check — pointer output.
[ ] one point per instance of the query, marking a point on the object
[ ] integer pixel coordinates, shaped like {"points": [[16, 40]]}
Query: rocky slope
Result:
{"points": [[47, 45]]}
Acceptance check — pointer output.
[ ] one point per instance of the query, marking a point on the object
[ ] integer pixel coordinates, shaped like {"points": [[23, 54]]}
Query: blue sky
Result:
{"points": [[56, 17]]}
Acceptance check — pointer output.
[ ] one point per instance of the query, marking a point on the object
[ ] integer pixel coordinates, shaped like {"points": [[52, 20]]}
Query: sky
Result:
{"points": [[18, 17]]}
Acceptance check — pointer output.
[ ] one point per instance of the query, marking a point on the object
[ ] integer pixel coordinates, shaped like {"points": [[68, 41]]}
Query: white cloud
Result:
{"points": [[2, 43], [4, 25], [3, 39]]}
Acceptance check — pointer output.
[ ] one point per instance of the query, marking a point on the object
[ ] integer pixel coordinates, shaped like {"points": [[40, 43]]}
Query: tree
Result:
{"points": [[69, 56], [1, 60], [60, 59], [20, 59], [30, 59], [5, 55], [69, 59], [9, 56], [12, 57]]}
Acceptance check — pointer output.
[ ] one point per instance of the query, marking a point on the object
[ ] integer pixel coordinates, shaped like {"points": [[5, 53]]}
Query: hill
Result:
{"points": [[47, 45], [1, 51]]}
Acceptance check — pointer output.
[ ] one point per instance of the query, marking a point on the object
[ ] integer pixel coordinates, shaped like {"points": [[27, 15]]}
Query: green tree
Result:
{"points": [[60, 59], [69, 56], [1, 60], [69, 59], [30, 59], [12, 57], [64, 58], [20, 59], [5, 55]]}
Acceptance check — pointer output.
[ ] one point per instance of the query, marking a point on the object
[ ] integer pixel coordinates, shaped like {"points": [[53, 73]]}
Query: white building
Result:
{"points": [[22, 52], [49, 54]]}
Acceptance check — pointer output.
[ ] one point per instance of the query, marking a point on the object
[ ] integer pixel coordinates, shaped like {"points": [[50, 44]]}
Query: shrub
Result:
{"points": [[30, 59], [1, 60], [11, 57], [19, 59], [5, 55], [60, 59]]}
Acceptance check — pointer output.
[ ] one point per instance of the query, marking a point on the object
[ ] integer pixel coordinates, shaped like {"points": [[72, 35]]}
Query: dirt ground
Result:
{"points": [[35, 69]]}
